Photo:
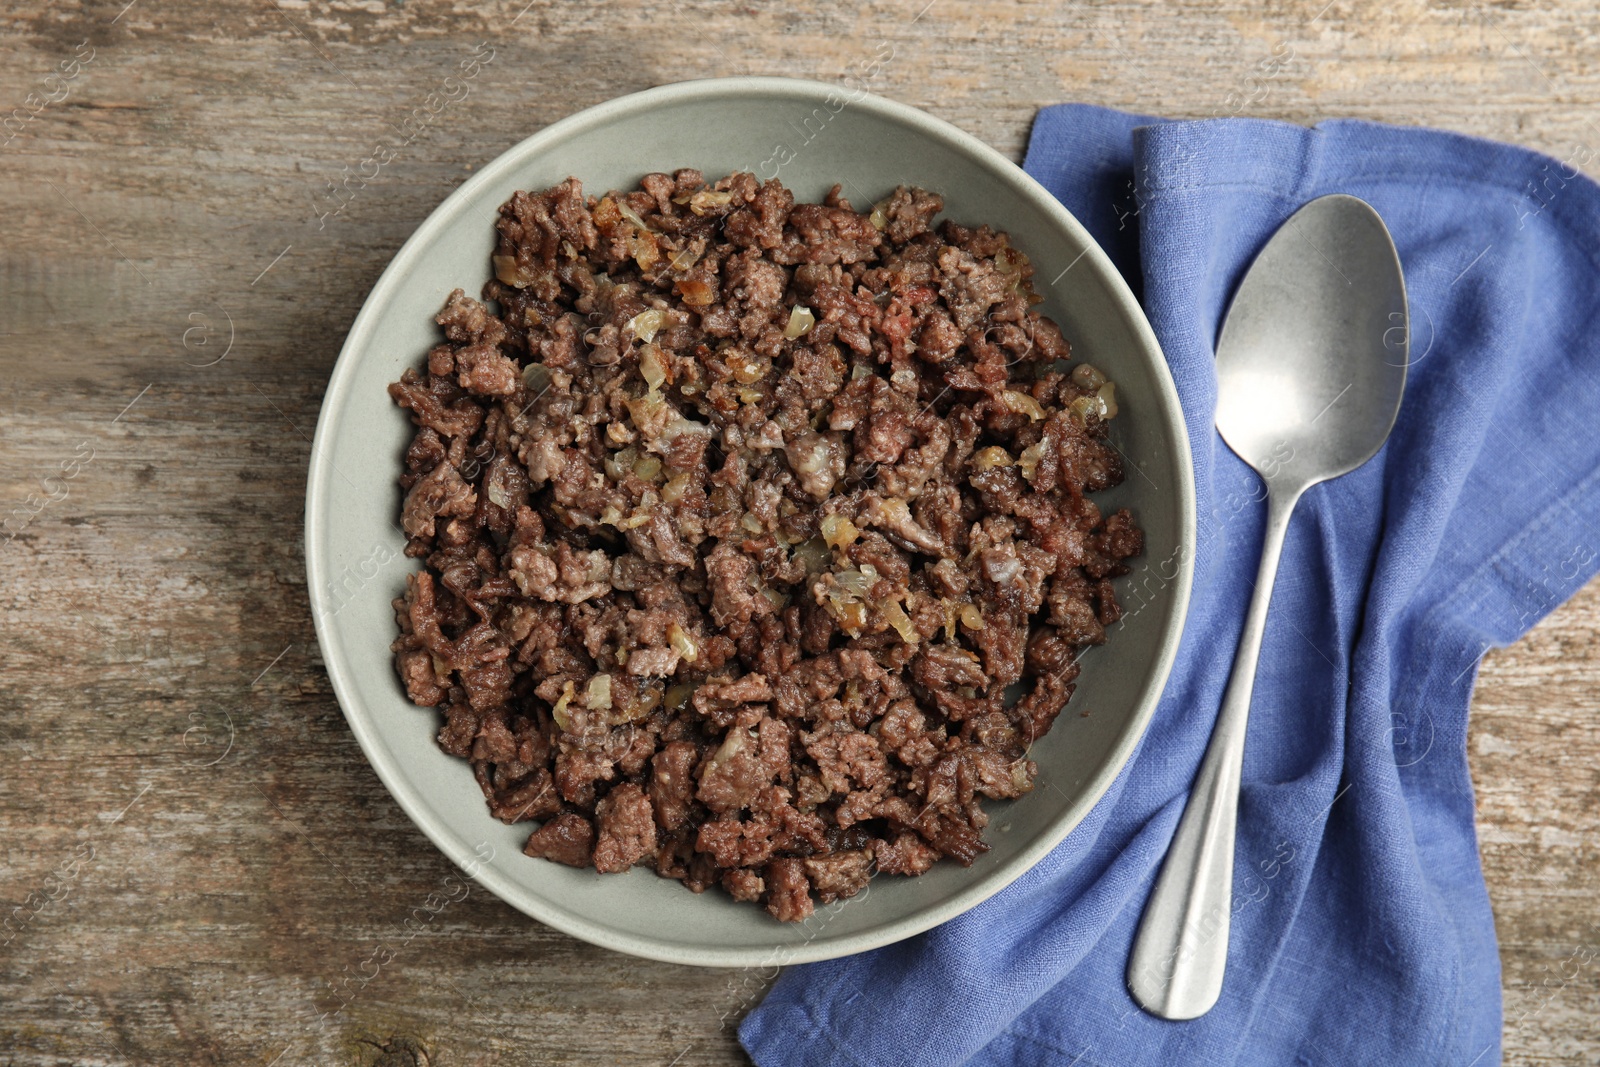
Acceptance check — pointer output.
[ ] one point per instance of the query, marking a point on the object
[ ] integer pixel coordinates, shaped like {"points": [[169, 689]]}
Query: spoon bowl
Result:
{"points": [[1311, 360]]}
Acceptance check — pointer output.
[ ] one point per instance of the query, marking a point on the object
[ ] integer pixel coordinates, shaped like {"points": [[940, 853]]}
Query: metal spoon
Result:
{"points": [[1311, 365]]}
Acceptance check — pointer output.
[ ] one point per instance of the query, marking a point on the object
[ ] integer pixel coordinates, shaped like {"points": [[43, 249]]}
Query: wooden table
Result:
{"points": [[177, 191]]}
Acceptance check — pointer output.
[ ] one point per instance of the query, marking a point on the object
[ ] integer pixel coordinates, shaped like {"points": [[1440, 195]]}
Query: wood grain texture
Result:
{"points": [[207, 866]]}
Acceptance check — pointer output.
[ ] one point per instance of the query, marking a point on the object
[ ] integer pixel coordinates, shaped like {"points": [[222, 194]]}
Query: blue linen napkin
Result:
{"points": [[1362, 932]]}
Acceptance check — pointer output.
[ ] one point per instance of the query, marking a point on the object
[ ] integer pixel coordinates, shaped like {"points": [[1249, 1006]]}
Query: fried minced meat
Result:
{"points": [[744, 524]]}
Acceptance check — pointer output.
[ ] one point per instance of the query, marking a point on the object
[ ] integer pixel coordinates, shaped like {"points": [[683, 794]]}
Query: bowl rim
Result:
{"points": [[397, 778]]}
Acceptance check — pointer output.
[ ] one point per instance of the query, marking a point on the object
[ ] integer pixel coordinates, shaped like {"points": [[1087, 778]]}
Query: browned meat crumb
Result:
{"points": [[788, 890], [627, 829], [567, 838], [739, 518]]}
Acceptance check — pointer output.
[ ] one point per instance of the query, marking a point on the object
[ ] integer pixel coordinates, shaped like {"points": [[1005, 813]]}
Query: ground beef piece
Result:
{"points": [[672, 783], [788, 891], [440, 492], [969, 287], [943, 667], [760, 223], [1000, 774], [1118, 538], [744, 884], [743, 765], [840, 874], [627, 829], [437, 405], [1072, 613], [653, 662], [908, 212], [567, 838], [468, 321], [731, 843], [739, 518], [734, 603], [822, 234], [848, 760], [483, 371], [577, 772], [907, 854], [459, 731], [532, 798], [750, 689], [955, 838], [422, 683], [1036, 711]]}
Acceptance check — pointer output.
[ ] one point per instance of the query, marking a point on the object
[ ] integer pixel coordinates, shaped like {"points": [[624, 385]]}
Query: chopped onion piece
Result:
{"points": [[647, 468], [900, 621], [679, 426], [683, 643], [735, 742], [645, 324], [695, 292], [851, 615], [649, 699], [618, 464], [839, 531], [879, 220], [1028, 462], [676, 486], [631, 215], [536, 377], [813, 555], [1022, 404], [1087, 376], [610, 516], [1009, 261], [1108, 400], [559, 711], [1085, 406], [747, 368], [800, 322], [636, 520], [859, 582], [507, 271], [751, 523], [706, 200], [653, 366], [644, 250], [497, 495], [991, 457], [971, 617], [686, 258], [1002, 570], [677, 696], [598, 698]]}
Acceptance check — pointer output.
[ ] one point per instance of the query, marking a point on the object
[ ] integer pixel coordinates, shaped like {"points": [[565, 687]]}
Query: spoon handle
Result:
{"points": [[1181, 948]]}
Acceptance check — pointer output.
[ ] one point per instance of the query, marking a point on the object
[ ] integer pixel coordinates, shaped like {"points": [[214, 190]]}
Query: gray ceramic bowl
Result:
{"points": [[811, 135]]}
